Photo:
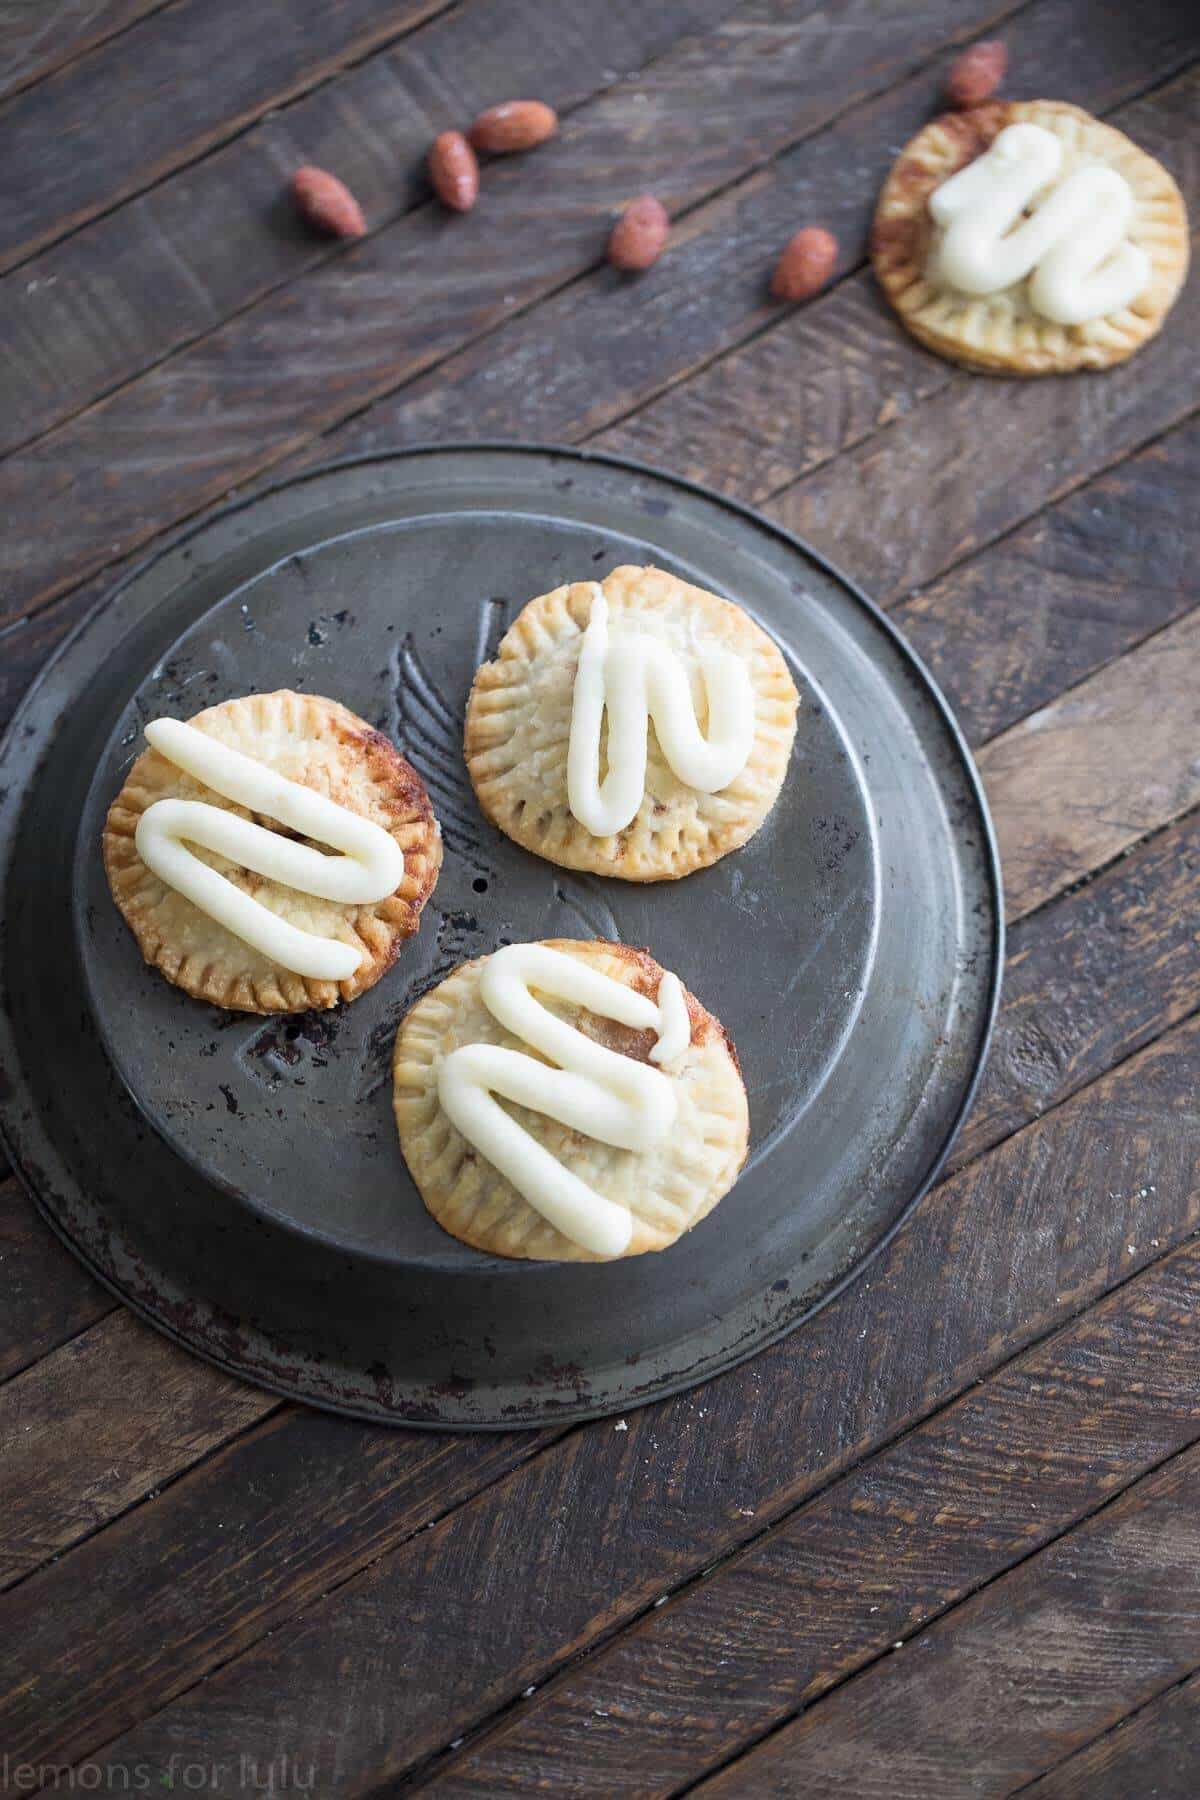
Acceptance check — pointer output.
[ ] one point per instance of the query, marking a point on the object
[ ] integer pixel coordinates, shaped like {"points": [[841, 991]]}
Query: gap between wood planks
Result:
{"points": [[289, 441], [747, 1765], [306, 79], [40, 63], [1076, 1776]]}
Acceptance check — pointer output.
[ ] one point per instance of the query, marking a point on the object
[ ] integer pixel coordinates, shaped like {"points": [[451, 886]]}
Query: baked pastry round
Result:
{"points": [[1001, 333], [667, 1190], [320, 745], [518, 729]]}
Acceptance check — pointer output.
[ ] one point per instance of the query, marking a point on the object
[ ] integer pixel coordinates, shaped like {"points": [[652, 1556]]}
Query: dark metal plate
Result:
{"points": [[238, 1180]]}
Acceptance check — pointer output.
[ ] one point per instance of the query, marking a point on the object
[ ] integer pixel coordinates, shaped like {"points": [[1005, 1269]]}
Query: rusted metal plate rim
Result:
{"points": [[238, 1182]]}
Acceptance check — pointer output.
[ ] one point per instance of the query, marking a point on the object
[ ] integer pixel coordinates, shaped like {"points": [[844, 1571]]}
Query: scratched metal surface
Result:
{"points": [[238, 1180]]}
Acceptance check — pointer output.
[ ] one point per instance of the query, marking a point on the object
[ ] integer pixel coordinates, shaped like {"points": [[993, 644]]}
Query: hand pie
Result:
{"points": [[272, 854], [1028, 238], [637, 727], [568, 1100]]}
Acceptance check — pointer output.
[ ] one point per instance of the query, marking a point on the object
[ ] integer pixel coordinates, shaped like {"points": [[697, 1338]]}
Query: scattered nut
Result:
{"points": [[513, 125], [976, 74], [327, 203], [806, 264], [639, 236], [454, 171]]}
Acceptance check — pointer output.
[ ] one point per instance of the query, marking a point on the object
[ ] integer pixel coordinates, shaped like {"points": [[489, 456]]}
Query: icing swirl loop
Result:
{"points": [[592, 1089], [1074, 242], [637, 679], [370, 868]]}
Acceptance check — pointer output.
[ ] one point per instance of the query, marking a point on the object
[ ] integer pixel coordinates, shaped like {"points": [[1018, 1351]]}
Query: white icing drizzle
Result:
{"points": [[592, 1089], [1074, 243], [371, 867], [637, 679]]}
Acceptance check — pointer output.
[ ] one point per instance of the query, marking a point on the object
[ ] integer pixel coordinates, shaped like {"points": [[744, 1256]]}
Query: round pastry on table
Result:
{"points": [[638, 727], [216, 850], [568, 1100], [1028, 238]]}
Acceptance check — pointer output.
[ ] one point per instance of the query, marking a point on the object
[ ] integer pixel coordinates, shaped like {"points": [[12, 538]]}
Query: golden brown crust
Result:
{"points": [[322, 745], [667, 1190], [519, 724], [1000, 333]]}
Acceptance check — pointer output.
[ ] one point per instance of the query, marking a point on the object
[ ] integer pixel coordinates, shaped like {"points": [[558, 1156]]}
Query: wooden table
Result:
{"points": [[945, 1539]]}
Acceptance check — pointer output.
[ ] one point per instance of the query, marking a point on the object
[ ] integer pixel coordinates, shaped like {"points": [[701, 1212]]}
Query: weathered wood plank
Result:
{"points": [[823, 377], [1013, 1245], [1083, 778], [144, 104], [270, 1524], [151, 1411], [908, 1534], [120, 294], [1088, 981], [316, 351], [39, 36], [48, 1297], [1035, 1665], [1074, 589], [1155, 1752]]}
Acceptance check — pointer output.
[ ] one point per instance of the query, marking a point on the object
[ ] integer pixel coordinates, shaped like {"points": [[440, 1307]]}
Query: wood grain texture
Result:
{"points": [[846, 372], [1080, 780], [226, 1555], [151, 1410], [592, 1531], [585, 357], [316, 351], [1087, 981], [39, 36], [910, 1533], [1155, 1753], [174, 263], [48, 1297], [142, 105], [1039, 1662], [1076, 588]]}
